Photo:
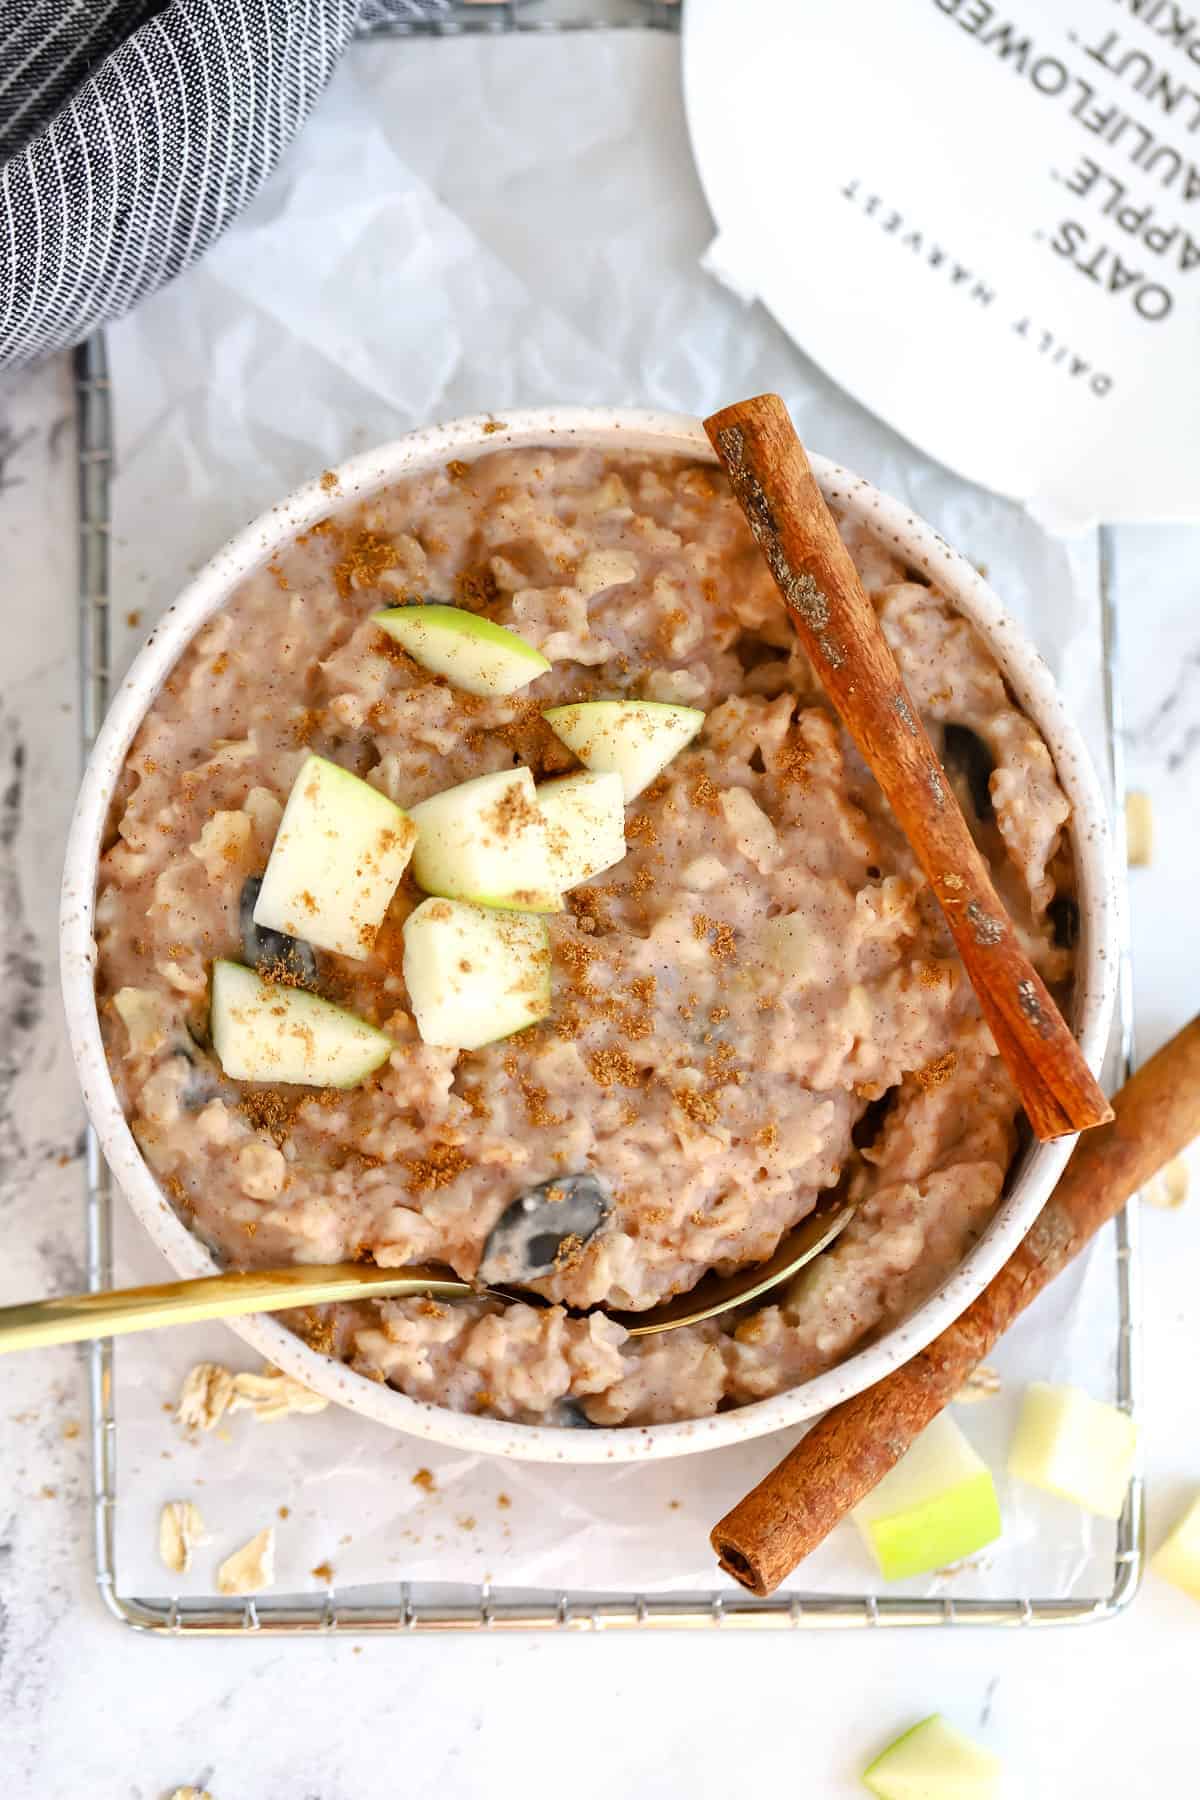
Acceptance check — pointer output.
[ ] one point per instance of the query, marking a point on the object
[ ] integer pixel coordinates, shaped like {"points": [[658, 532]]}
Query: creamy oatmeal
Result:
{"points": [[759, 1003]]}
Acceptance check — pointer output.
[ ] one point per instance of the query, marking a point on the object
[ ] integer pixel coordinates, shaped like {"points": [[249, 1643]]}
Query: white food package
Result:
{"points": [[981, 217]]}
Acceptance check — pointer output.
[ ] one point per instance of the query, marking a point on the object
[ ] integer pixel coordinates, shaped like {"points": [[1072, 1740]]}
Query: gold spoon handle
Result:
{"points": [[75, 1316]]}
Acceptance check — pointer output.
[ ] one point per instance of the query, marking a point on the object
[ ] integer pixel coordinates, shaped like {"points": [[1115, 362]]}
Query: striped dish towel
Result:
{"points": [[132, 132]]}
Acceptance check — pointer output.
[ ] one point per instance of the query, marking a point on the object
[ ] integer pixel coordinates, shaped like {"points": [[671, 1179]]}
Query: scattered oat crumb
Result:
{"points": [[503, 1501], [48, 1493], [133, 619], [674, 1505], [329, 480], [285, 1512], [205, 1395], [1169, 1188], [322, 1572], [1139, 829], [191, 1793], [424, 1479], [251, 1568], [180, 1529], [466, 1521], [71, 1429], [273, 1395], [981, 1384]]}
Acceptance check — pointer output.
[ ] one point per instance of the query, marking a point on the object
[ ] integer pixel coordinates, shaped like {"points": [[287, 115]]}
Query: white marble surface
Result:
{"points": [[87, 1708]]}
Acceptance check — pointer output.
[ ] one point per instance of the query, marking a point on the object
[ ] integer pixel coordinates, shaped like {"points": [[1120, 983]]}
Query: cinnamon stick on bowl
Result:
{"points": [[798, 535], [1156, 1114]]}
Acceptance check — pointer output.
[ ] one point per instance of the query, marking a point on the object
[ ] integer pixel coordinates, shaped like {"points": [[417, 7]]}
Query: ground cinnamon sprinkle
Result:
{"points": [[643, 879], [268, 1111], [444, 1164], [724, 944], [706, 795], [700, 924], [793, 760], [280, 973], [644, 988], [366, 556], [512, 812], [329, 481], [718, 1014], [613, 1066], [535, 1105], [587, 904], [304, 726], [936, 1073], [457, 469], [476, 588], [696, 1105], [767, 1136], [319, 1336], [424, 1479], [640, 829], [322, 1572], [473, 1099]]}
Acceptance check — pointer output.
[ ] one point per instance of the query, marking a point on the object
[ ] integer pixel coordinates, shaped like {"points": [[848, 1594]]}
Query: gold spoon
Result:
{"points": [[76, 1316]]}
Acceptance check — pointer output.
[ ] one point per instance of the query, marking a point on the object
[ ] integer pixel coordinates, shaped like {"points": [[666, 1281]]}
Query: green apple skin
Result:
{"points": [[472, 653], [947, 1528], [485, 841], [936, 1506], [585, 824], [261, 1032], [475, 975], [933, 1761], [337, 859], [636, 738]]}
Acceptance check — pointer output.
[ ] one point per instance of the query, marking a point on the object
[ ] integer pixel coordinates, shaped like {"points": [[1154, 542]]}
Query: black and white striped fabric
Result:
{"points": [[132, 132]]}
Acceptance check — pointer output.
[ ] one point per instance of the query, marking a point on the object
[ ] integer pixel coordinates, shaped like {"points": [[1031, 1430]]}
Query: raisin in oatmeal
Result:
{"points": [[758, 1004]]}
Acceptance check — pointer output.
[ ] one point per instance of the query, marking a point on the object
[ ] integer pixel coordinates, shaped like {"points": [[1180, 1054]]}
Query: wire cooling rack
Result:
{"points": [[401, 1607]]}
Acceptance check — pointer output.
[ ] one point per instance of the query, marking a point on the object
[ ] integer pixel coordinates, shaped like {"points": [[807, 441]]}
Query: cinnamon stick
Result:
{"points": [[1156, 1114], [798, 536]]}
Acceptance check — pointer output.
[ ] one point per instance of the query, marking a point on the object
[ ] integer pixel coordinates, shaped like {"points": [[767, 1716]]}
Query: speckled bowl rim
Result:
{"points": [[897, 528]]}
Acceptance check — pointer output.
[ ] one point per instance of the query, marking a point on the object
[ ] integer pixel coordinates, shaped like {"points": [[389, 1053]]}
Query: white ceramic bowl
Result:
{"points": [[918, 545]]}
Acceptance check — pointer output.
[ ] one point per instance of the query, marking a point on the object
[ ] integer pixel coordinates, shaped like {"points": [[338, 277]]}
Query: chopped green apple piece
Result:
{"points": [[636, 738], [1178, 1560], [934, 1762], [1074, 1446], [265, 1033], [474, 974], [585, 824], [485, 840], [936, 1506], [473, 653], [340, 850]]}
